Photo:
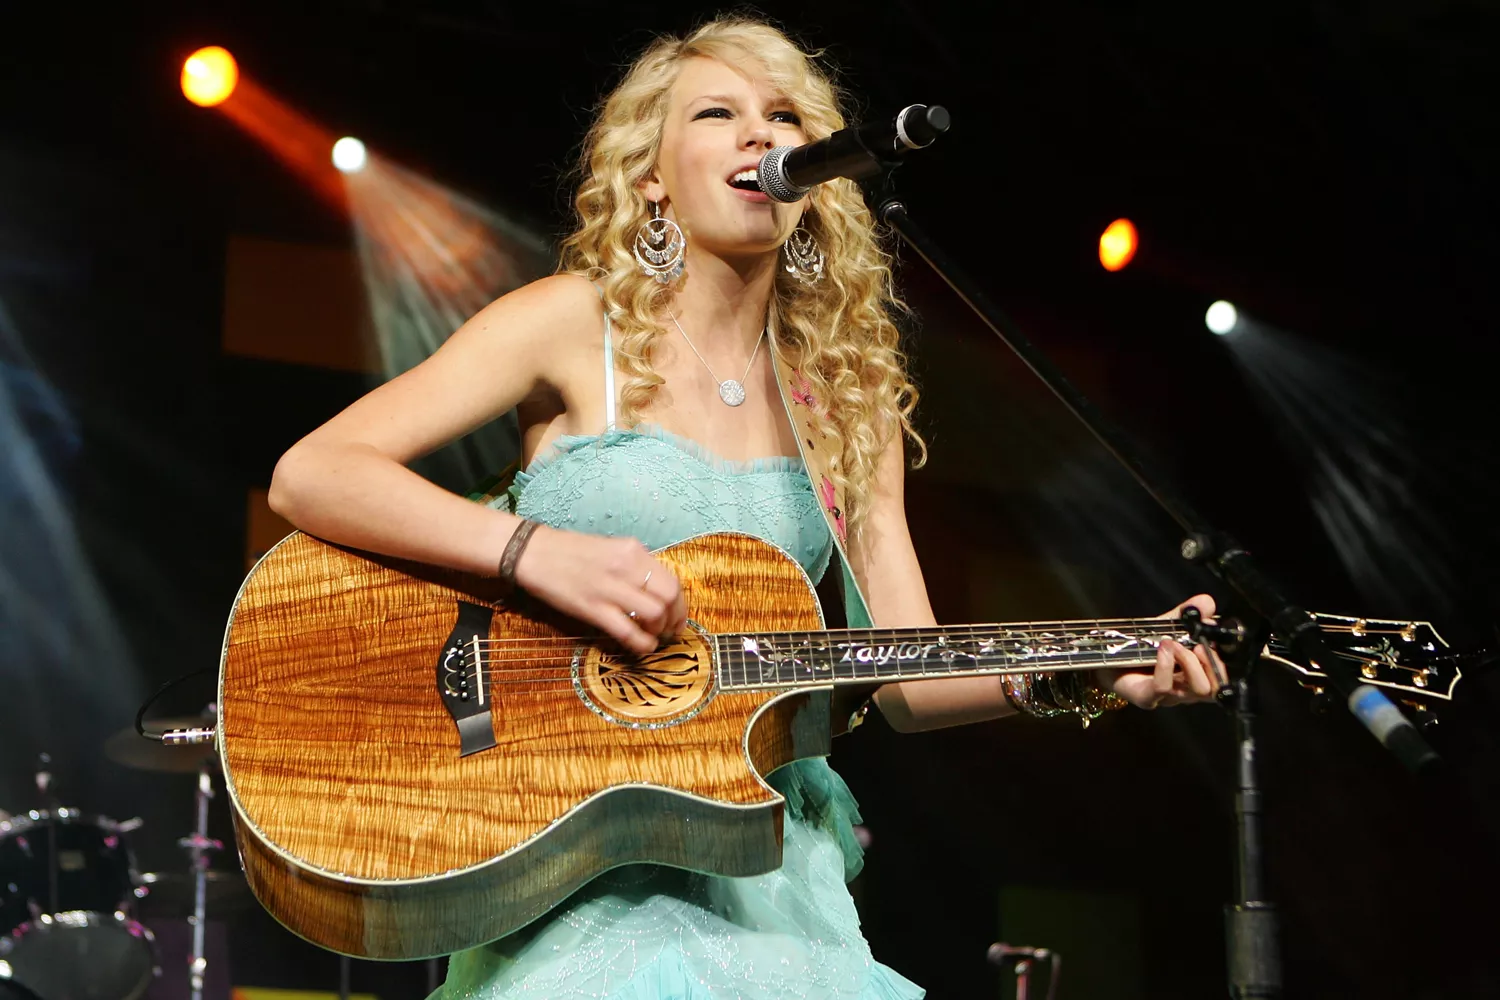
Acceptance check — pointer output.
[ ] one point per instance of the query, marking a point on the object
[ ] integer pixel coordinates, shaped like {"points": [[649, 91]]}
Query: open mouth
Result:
{"points": [[746, 180]]}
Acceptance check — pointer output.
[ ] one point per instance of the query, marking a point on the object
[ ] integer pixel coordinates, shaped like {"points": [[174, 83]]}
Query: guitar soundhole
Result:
{"points": [[664, 687]]}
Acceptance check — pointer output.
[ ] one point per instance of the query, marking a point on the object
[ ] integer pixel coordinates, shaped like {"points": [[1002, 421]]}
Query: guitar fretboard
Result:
{"points": [[852, 656]]}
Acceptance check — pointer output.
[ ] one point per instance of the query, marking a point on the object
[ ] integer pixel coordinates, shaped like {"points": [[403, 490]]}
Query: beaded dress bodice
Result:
{"points": [[661, 488]]}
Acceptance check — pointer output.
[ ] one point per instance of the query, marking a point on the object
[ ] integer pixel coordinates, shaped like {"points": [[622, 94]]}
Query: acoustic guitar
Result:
{"points": [[416, 767]]}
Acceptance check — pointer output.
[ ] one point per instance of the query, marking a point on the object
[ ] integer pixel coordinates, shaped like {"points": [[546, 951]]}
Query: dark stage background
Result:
{"points": [[1327, 167]]}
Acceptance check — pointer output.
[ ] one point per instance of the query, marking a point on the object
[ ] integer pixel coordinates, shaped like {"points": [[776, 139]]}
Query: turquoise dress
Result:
{"points": [[646, 932]]}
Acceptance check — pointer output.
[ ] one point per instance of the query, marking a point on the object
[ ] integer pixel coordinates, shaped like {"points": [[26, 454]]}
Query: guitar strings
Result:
{"points": [[559, 672], [564, 677], [537, 667], [546, 663], [1145, 630], [543, 661], [1149, 629]]}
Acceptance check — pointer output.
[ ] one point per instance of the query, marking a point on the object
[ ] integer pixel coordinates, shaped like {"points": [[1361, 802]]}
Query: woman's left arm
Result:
{"points": [[885, 564]]}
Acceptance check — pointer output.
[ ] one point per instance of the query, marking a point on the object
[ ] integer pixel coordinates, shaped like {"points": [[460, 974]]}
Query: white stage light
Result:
{"points": [[1221, 317], [349, 154]]}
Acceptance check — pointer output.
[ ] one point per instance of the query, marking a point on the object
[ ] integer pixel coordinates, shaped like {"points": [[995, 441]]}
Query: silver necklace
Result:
{"points": [[731, 391]]}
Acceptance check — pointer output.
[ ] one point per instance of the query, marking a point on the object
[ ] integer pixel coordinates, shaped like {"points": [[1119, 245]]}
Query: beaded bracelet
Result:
{"points": [[1017, 691], [1089, 701], [1053, 693]]}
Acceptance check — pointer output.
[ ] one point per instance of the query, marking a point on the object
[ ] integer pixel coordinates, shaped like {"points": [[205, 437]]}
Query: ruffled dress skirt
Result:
{"points": [[646, 932]]}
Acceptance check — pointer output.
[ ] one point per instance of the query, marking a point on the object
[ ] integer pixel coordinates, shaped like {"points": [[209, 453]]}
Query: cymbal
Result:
{"points": [[168, 894], [130, 748]]}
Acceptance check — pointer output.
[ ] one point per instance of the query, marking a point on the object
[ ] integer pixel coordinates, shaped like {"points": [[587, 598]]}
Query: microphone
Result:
{"points": [[787, 173], [1393, 729]]}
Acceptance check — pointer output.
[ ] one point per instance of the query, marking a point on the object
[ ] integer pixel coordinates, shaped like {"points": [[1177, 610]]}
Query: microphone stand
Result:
{"points": [[1250, 922]]}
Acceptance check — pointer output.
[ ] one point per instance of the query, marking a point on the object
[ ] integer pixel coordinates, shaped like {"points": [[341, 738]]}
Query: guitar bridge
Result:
{"points": [[461, 679]]}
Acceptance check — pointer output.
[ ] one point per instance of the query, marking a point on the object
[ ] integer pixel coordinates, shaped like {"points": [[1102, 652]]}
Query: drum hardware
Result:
{"points": [[198, 845], [171, 894], [43, 787], [66, 889], [184, 745]]}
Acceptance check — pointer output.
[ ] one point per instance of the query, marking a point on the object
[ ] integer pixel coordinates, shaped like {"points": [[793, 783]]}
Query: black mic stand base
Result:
{"points": [[1254, 955]]}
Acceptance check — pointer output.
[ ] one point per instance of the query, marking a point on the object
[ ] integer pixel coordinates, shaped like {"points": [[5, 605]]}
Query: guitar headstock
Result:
{"points": [[1408, 659]]}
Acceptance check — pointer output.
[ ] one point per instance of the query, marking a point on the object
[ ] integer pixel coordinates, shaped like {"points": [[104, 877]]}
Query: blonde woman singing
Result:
{"points": [[642, 374]]}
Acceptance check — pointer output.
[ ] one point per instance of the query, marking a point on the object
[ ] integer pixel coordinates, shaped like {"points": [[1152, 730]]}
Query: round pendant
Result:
{"points": [[731, 392]]}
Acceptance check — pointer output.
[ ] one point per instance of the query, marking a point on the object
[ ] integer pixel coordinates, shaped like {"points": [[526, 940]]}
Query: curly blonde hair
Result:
{"points": [[837, 333]]}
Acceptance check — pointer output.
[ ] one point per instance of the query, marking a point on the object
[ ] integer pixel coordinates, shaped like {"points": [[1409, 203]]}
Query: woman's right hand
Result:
{"points": [[600, 581]]}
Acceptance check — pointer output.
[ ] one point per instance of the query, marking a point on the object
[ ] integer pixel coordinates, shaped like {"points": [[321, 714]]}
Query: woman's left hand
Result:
{"points": [[1182, 675]]}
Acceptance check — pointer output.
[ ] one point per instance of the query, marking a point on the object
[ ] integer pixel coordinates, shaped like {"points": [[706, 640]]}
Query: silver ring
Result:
{"points": [[648, 578], [631, 615]]}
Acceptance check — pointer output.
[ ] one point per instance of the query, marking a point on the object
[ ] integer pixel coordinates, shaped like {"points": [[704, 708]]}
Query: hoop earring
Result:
{"points": [[804, 258], [660, 248]]}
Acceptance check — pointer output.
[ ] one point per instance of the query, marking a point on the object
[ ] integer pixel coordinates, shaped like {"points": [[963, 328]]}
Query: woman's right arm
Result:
{"points": [[347, 481]]}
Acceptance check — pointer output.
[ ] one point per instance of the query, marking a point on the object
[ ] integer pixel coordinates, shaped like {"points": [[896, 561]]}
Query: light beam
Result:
{"points": [[291, 136], [66, 663], [1374, 488], [430, 258]]}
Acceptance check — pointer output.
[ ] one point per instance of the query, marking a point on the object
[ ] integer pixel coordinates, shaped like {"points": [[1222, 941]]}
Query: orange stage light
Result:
{"points": [[1117, 245], [209, 76]]}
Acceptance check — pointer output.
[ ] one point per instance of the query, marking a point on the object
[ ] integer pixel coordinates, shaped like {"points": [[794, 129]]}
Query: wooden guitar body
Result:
{"points": [[362, 828]]}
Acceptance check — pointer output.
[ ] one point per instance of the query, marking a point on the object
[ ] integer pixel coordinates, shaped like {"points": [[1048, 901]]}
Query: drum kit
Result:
{"points": [[71, 895]]}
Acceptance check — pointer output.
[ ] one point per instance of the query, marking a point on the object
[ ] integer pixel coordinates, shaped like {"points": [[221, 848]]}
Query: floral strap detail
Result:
{"points": [[819, 450]]}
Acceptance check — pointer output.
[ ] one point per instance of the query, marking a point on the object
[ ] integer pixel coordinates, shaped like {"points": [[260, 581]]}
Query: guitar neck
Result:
{"points": [[866, 656]]}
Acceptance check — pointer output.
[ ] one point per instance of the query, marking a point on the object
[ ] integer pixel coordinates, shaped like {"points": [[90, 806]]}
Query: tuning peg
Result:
{"points": [[1320, 703]]}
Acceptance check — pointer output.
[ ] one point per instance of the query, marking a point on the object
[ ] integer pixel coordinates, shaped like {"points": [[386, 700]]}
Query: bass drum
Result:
{"points": [[66, 885]]}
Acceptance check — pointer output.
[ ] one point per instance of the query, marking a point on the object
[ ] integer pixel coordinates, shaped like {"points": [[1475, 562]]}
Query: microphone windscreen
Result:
{"points": [[772, 178]]}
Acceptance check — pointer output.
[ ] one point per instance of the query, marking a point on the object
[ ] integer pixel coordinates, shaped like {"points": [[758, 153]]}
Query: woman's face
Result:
{"points": [[719, 124]]}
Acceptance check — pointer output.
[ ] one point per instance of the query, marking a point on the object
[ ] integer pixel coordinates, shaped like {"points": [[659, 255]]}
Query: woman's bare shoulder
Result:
{"points": [[565, 292], [514, 348], [557, 306]]}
